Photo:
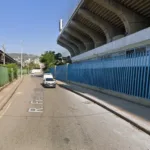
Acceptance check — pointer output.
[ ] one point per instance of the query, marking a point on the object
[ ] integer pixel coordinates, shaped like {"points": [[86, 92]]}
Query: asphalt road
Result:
{"points": [[56, 119]]}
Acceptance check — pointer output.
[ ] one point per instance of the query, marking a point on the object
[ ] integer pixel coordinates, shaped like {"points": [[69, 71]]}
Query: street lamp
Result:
{"points": [[21, 57]]}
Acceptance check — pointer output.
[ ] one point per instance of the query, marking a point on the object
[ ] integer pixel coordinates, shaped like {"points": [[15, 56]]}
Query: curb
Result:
{"points": [[1, 88], [7, 98], [111, 110]]}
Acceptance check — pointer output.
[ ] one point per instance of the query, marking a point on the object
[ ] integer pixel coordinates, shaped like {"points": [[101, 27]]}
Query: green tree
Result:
{"points": [[32, 65], [12, 71], [48, 58]]}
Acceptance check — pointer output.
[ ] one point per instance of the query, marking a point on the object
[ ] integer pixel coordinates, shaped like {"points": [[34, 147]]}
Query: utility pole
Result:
{"points": [[21, 57], [4, 50]]}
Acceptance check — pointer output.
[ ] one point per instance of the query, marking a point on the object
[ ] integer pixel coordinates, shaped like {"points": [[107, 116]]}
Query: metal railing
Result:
{"points": [[128, 74]]}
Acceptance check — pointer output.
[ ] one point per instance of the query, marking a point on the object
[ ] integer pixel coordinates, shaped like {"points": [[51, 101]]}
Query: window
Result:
{"points": [[49, 79], [140, 50], [129, 52]]}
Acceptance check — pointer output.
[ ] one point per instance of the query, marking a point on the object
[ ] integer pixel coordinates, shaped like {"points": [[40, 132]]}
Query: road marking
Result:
{"points": [[5, 110], [18, 93], [37, 102], [35, 110]]}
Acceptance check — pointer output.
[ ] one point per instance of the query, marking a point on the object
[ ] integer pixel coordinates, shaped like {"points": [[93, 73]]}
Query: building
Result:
{"points": [[107, 28], [8, 59]]}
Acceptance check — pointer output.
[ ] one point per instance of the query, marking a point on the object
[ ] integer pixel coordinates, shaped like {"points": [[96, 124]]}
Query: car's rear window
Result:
{"points": [[49, 79]]}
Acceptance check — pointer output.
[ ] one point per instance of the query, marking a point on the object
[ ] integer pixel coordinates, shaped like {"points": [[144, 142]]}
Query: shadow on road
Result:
{"points": [[38, 76], [132, 108]]}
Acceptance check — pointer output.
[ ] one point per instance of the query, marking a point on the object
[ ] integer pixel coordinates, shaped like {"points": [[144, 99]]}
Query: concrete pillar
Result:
{"points": [[79, 44], [67, 47], [132, 21], [109, 30], [66, 42], [98, 39], [86, 41]]}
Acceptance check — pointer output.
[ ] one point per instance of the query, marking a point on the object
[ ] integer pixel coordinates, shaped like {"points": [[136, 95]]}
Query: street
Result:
{"points": [[38, 118]]}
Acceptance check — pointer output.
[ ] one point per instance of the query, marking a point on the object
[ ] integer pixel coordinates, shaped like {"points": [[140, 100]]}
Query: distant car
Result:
{"points": [[32, 74]]}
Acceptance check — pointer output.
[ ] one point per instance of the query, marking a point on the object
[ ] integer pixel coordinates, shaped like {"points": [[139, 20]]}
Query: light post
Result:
{"points": [[21, 58]]}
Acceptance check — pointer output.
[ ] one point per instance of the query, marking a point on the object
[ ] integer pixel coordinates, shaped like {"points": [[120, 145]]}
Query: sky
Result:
{"points": [[33, 25]]}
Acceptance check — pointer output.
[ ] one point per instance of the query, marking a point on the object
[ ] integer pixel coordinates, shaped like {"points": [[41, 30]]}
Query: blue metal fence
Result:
{"points": [[61, 72], [52, 71], [129, 74]]}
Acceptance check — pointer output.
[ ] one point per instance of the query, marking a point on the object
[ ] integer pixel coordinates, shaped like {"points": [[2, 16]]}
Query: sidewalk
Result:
{"points": [[8, 91], [135, 114]]}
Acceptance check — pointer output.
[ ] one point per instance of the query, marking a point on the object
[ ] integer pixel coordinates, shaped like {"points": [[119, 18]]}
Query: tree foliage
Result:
{"points": [[50, 59], [12, 71], [32, 65]]}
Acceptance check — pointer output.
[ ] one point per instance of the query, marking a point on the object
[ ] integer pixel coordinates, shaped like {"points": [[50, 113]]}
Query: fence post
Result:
{"points": [[55, 71], [67, 72]]}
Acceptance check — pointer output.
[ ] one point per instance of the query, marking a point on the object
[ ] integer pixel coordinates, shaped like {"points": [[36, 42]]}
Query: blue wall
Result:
{"points": [[126, 74]]}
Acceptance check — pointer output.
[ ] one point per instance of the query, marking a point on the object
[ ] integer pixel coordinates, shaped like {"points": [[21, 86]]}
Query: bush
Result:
{"points": [[12, 71]]}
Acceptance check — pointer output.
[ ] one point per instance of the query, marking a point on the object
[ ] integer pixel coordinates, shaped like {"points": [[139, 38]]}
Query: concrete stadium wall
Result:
{"points": [[124, 76], [134, 40]]}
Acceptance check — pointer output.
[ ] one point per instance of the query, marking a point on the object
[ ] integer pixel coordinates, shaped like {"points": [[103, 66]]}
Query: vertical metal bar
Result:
{"points": [[118, 75], [128, 75], [131, 82], [66, 70], [96, 73], [114, 74], [102, 72], [121, 73], [92, 75], [144, 79], [142, 74], [113, 68], [138, 75], [124, 74], [99, 75], [105, 74], [136, 70], [101, 79], [116, 70], [93, 69], [109, 75], [147, 80], [134, 59]]}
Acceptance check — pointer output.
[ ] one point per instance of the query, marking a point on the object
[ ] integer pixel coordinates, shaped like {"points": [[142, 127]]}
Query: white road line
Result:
{"points": [[5, 110]]}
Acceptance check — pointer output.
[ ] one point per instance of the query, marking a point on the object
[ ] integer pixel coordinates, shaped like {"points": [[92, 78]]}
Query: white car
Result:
{"points": [[32, 74], [48, 80]]}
